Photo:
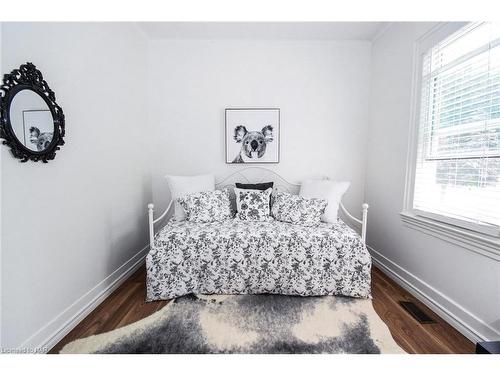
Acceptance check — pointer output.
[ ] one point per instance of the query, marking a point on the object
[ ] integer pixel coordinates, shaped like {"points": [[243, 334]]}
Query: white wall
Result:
{"points": [[68, 224], [463, 285], [321, 88]]}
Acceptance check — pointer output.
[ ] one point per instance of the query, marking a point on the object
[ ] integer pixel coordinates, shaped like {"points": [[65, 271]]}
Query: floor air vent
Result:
{"points": [[416, 312]]}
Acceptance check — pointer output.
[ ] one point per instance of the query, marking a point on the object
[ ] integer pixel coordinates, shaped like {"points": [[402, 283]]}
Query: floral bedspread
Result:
{"points": [[247, 257]]}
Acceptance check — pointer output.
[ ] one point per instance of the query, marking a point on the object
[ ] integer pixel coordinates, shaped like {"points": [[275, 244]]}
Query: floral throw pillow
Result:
{"points": [[253, 205], [207, 206], [298, 210]]}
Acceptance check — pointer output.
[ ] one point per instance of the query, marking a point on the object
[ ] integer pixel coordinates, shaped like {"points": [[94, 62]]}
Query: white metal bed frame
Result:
{"points": [[280, 183]]}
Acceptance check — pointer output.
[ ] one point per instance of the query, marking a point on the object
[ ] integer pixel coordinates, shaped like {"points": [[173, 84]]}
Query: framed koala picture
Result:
{"points": [[252, 135]]}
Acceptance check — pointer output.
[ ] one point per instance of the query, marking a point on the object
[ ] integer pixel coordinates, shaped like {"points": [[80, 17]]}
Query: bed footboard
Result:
{"points": [[363, 222], [153, 221]]}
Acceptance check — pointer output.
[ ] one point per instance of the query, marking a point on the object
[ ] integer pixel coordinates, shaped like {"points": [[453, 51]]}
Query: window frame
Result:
{"points": [[478, 237]]}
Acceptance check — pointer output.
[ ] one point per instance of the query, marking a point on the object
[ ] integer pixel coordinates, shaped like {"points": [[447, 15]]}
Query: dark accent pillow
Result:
{"points": [[261, 186]]}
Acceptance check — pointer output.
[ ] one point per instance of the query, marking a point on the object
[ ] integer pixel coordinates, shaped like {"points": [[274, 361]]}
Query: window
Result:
{"points": [[457, 172]]}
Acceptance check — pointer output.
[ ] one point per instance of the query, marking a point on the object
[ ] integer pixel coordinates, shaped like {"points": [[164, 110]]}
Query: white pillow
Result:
{"points": [[181, 186], [332, 191]]}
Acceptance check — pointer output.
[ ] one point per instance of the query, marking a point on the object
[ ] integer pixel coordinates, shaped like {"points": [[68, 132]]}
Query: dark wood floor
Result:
{"points": [[126, 305]]}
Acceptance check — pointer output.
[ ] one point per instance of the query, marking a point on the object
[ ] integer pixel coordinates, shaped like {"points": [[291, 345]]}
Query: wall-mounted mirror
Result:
{"points": [[32, 123]]}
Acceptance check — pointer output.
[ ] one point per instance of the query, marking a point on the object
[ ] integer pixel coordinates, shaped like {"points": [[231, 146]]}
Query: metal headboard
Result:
{"points": [[256, 175]]}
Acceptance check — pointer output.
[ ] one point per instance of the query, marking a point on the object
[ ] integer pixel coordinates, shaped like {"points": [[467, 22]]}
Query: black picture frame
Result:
{"points": [[28, 77], [249, 109]]}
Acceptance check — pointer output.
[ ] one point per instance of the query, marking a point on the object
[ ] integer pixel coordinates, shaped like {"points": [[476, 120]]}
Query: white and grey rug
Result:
{"points": [[250, 324]]}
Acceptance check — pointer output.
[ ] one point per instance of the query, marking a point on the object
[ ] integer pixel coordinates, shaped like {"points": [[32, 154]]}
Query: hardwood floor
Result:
{"points": [[126, 305], [436, 338]]}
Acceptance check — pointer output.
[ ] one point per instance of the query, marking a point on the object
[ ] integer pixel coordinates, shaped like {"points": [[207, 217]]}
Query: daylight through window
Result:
{"points": [[458, 154]]}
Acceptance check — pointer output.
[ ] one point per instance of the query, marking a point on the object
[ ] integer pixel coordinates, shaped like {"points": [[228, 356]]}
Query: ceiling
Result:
{"points": [[263, 30]]}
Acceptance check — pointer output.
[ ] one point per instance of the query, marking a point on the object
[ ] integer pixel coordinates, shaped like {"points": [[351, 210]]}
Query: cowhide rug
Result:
{"points": [[250, 324]]}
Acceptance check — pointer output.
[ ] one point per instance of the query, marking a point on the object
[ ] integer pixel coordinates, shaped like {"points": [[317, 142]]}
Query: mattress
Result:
{"points": [[245, 257]]}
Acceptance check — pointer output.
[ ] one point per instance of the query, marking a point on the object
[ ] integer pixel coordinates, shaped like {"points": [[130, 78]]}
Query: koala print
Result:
{"points": [[39, 139], [253, 143]]}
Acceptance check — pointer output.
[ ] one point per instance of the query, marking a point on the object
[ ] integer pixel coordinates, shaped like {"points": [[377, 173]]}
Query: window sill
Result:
{"points": [[477, 242]]}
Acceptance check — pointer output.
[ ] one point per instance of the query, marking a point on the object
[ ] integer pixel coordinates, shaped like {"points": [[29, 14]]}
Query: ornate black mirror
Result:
{"points": [[32, 124]]}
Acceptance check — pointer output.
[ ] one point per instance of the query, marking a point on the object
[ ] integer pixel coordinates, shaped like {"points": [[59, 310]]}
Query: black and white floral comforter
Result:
{"points": [[249, 257]]}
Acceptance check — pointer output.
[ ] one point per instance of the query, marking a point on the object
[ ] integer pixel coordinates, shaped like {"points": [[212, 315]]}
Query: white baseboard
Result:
{"points": [[457, 316], [50, 334]]}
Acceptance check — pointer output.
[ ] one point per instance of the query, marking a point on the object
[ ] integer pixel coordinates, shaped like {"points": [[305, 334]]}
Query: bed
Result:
{"points": [[243, 257]]}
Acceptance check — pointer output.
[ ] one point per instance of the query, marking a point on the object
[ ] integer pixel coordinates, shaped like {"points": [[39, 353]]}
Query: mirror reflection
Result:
{"points": [[31, 120]]}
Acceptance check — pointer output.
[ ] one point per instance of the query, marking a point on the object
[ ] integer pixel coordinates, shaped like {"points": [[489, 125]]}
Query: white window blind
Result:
{"points": [[458, 153]]}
